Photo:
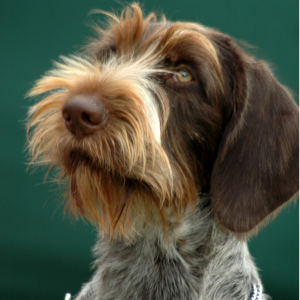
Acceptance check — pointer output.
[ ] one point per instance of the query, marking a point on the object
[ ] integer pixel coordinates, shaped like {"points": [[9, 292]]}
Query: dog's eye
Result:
{"points": [[182, 76]]}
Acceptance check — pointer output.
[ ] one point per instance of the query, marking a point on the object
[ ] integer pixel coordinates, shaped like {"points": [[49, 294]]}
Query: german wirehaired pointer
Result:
{"points": [[177, 145]]}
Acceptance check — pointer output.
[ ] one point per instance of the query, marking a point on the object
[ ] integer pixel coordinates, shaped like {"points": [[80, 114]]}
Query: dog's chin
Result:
{"points": [[94, 181], [82, 163], [75, 159], [79, 165]]}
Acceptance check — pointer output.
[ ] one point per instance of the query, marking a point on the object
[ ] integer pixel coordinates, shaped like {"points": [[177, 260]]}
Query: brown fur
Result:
{"points": [[231, 132]]}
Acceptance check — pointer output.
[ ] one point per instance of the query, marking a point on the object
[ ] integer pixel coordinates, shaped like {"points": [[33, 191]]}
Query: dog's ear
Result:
{"points": [[256, 170]]}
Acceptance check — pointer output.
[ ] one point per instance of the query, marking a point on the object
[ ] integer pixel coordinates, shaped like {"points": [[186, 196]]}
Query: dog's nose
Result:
{"points": [[84, 115]]}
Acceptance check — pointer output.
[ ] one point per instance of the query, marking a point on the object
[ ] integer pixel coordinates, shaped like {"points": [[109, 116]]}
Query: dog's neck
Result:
{"points": [[197, 261]]}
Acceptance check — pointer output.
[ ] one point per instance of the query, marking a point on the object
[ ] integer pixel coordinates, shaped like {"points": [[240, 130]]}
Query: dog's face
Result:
{"points": [[155, 113]]}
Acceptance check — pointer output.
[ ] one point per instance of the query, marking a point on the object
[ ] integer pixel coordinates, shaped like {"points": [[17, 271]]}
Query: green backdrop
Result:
{"points": [[44, 255]]}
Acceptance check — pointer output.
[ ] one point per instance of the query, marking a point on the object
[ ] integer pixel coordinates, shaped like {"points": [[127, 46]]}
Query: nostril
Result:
{"points": [[83, 115], [66, 115], [86, 118]]}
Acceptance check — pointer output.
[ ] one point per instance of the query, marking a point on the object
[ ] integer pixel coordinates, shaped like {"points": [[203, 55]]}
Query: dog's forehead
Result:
{"points": [[155, 45], [131, 37], [112, 39]]}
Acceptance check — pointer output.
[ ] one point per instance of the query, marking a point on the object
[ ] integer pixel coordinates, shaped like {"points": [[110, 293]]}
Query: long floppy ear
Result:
{"points": [[256, 170]]}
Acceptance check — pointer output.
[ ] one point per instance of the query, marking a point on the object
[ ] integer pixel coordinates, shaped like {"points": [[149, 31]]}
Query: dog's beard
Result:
{"points": [[114, 189], [117, 200]]}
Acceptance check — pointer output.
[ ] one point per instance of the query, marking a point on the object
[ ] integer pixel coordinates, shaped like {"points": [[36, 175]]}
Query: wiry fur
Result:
{"points": [[179, 173], [196, 262]]}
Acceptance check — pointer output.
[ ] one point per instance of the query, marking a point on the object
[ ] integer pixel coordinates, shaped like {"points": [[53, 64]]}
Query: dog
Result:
{"points": [[177, 145]]}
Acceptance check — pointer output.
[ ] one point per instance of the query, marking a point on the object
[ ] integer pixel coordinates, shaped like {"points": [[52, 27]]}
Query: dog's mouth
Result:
{"points": [[78, 159], [75, 158], [81, 167]]}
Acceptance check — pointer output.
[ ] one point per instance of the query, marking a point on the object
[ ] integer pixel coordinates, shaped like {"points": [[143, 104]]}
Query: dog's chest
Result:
{"points": [[155, 268]]}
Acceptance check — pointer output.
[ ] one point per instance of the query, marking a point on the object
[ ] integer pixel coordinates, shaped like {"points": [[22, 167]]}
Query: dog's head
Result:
{"points": [[153, 114]]}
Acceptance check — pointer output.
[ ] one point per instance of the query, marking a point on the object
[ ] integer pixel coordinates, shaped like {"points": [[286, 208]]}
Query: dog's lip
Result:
{"points": [[76, 157]]}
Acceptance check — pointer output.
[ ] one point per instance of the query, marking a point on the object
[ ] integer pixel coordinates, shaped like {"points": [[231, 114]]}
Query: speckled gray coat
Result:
{"points": [[198, 262]]}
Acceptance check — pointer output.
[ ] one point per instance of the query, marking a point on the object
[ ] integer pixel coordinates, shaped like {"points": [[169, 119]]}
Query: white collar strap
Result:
{"points": [[256, 292]]}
